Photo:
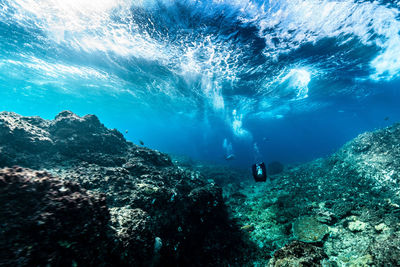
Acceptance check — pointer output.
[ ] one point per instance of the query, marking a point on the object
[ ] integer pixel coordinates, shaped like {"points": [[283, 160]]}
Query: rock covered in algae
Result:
{"points": [[298, 254], [148, 195], [28, 140], [134, 234], [355, 191], [49, 222], [309, 229], [374, 156], [386, 250], [73, 135]]}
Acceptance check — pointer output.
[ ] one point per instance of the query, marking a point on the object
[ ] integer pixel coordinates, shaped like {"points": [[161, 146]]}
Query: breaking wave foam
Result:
{"points": [[218, 55]]}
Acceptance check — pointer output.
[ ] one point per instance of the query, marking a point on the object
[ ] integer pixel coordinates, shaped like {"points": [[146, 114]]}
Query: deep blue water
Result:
{"points": [[272, 80]]}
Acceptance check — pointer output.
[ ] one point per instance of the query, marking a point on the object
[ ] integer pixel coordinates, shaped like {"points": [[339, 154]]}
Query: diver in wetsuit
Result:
{"points": [[259, 172]]}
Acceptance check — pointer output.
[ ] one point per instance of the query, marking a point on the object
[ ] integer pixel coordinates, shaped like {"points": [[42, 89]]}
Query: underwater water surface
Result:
{"points": [[287, 80]]}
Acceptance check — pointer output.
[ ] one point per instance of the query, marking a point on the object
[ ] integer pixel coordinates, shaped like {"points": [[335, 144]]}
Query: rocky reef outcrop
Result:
{"points": [[374, 157], [48, 221], [347, 204], [298, 254], [37, 142], [159, 214], [101, 201]]}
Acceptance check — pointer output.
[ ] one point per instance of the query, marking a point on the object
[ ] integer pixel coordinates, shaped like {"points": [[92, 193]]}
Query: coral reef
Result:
{"points": [[160, 213]]}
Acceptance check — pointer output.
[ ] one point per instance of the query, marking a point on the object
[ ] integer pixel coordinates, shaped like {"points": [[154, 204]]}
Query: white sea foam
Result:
{"points": [[297, 22], [285, 25], [296, 82], [40, 72], [237, 126], [87, 25], [108, 26], [209, 64]]}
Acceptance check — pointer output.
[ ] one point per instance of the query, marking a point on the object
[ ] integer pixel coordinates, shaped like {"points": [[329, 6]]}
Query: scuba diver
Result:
{"points": [[259, 172], [259, 169]]}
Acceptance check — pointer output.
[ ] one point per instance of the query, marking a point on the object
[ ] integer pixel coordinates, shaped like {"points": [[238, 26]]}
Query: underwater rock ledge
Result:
{"points": [[156, 213]]}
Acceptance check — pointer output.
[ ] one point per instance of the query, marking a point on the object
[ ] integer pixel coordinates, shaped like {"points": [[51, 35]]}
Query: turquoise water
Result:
{"points": [[263, 80]]}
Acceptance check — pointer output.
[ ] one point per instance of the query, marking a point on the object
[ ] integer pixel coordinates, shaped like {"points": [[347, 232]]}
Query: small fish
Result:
{"points": [[248, 228], [265, 139], [126, 131], [141, 142], [386, 118], [230, 157]]}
